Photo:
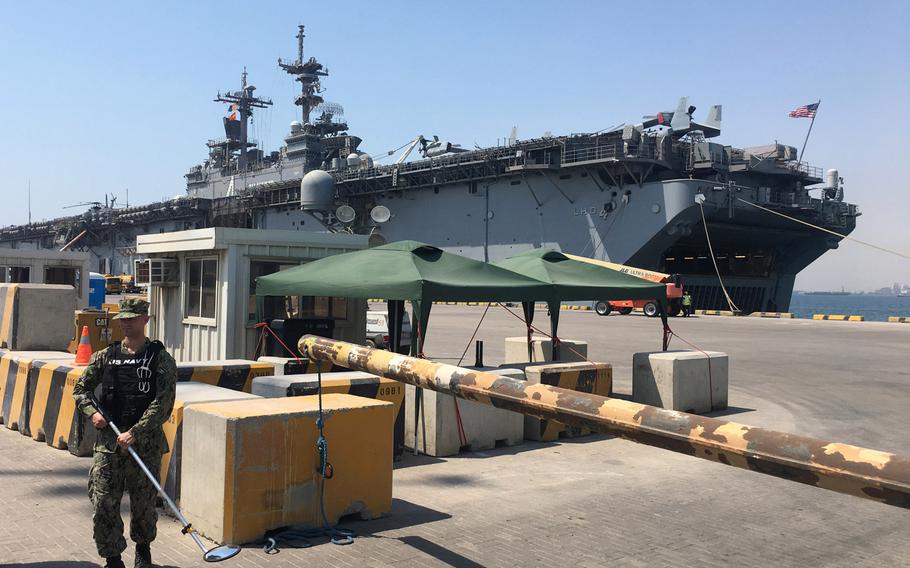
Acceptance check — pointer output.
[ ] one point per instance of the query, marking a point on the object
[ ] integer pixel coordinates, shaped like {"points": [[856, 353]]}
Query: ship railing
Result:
{"points": [[610, 151], [811, 171]]}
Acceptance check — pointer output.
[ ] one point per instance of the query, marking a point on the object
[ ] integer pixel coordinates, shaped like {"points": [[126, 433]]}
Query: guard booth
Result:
{"points": [[25, 266], [202, 290]]}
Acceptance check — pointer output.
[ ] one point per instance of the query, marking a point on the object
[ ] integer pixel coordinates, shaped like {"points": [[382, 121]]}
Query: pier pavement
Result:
{"points": [[594, 501]]}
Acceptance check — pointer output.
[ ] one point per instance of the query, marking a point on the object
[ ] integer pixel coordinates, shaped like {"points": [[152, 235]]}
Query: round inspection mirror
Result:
{"points": [[220, 553]]}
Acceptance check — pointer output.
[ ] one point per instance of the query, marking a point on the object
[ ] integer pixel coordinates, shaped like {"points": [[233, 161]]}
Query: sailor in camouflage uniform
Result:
{"points": [[135, 382]]}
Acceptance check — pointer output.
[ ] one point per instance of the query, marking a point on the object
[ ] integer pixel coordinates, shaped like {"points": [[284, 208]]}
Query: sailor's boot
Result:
{"points": [[143, 556], [113, 562]]}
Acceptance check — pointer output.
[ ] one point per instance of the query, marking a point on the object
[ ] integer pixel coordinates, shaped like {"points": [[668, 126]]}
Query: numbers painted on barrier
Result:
{"points": [[389, 391]]}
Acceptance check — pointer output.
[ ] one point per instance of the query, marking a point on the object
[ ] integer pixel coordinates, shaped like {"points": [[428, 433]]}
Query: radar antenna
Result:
{"points": [[308, 73], [244, 102]]}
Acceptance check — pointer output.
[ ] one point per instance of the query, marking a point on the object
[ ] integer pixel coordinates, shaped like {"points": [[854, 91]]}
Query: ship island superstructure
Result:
{"points": [[634, 194]]}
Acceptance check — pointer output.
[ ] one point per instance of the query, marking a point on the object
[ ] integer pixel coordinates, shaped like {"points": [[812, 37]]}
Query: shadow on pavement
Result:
{"points": [[54, 564], [728, 411], [408, 459], [438, 552]]}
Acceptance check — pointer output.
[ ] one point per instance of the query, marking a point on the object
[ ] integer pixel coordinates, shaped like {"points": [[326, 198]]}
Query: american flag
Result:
{"points": [[805, 111]]}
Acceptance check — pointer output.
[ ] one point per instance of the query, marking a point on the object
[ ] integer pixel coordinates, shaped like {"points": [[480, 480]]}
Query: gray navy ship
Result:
{"points": [[636, 194]]}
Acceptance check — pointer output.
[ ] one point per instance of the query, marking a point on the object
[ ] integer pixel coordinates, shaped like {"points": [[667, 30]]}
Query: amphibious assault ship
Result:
{"points": [[639, 194]]}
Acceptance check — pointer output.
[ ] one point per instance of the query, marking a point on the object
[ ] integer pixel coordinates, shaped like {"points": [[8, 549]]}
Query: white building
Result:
{"points": [[203, 304], [46, 267]]}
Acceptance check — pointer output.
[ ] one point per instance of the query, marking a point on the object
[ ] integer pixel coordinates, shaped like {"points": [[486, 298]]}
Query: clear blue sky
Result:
{"points": [[100, 97]]}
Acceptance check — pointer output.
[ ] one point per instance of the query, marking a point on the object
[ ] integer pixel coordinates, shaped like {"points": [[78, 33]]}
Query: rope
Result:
{"points": [[883, 249], [462, 437], [708, 358], [300, 538], [704, 223]]}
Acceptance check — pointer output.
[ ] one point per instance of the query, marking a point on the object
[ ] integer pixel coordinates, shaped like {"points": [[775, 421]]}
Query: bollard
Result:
{"points": [[861, 472], [478, 353]]}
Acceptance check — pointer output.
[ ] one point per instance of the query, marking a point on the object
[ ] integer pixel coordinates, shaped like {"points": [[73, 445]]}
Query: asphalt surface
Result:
{"points": [[594, 501]]}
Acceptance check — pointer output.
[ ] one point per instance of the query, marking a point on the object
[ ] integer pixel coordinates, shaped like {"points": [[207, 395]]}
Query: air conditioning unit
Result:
{"points": [[156, 272]]}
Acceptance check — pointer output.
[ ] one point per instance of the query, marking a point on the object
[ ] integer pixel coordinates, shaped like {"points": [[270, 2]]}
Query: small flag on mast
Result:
{"points": [[233, 109], [805, 111]]}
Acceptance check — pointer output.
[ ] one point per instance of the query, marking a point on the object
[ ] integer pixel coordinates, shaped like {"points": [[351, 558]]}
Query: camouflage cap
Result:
{"points": [[132, 308]]}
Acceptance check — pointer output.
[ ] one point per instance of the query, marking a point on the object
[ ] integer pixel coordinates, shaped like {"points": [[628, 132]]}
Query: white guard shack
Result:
{"points": [[30, 266], [202, 291]]}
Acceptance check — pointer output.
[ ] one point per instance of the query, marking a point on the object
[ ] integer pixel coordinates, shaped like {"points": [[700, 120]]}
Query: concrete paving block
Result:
{"points": [[250, 466], [594, 378], [484, 426], [234, 374], [542, 350], [690, 381], [188, 393], [354, 383], [36, 317]]}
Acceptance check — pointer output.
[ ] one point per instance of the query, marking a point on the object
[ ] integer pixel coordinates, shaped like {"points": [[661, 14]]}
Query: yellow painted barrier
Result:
{"points": [[777, 315], [188, 393], [898, 319], [250, 466], [714, 312], [594, 378], [14, 370], [345, 382], [234, 374], [837, 317]]}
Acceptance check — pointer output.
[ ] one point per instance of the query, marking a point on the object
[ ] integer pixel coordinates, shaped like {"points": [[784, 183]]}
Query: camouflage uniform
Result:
{"points": [[113, 470]]}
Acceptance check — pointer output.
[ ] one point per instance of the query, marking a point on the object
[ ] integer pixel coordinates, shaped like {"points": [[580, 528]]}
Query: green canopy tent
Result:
{"points": [[577, 280], [404, 271]]}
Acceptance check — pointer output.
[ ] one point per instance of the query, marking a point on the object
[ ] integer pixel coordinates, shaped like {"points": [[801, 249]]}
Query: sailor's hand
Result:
{"points": [[125, 440], [98, 421]]}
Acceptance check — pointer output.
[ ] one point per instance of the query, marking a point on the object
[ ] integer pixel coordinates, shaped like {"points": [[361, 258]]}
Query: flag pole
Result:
{"points": [[801, 152]]}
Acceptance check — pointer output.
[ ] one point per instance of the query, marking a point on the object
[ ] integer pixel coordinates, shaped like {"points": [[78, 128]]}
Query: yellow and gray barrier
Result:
{"points": [[714, 312], [14, 370], [251, 465], [346, 382], [898, 319], [837, 317], [593, 378], [234, 374], [775, 315], [188, 393]]}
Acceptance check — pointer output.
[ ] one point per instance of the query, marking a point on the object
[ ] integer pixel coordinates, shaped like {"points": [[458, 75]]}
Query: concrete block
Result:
{"points": [[542, 350], [292, 366], [188, 393], [251, 466], [345, 382], [234, 374], [36, 317], [438, 433], [690, 381], [594, 378], [14, 370]]}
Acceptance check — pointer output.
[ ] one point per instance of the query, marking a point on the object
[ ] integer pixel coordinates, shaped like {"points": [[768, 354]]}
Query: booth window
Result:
{"points": [[201, 289], [274, 307], [14, 274], [63, 275]]}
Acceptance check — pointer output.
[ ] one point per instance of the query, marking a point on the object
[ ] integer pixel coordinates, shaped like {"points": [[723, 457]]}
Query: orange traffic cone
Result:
{"points": [[84, 351]]}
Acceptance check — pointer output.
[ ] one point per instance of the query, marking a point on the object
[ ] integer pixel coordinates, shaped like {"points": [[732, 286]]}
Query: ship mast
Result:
{"points": [[246, 102], [308, 73]]}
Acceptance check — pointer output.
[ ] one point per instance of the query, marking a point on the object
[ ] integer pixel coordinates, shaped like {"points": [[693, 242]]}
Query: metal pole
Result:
{"points": [[162, 492], [862, 472], [800, 159]]}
